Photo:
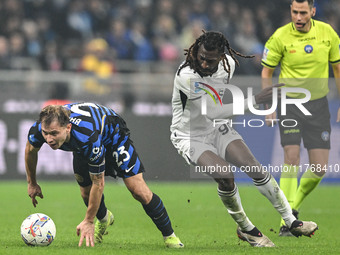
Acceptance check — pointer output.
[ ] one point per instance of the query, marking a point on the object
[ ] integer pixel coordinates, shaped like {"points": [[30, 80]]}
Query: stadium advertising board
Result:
{"points": [[149, 123]]}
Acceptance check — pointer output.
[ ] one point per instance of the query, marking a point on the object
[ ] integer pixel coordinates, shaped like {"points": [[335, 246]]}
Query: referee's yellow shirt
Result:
{"points": [[304, 57]]}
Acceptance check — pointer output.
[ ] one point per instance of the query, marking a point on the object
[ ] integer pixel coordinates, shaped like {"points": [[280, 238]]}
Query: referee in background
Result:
{"points": [[304, 48]]}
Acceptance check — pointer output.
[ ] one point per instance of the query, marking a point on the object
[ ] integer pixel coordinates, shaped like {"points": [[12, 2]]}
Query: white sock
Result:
{"points": [[271, 190], [232, 201], [173, 234]]}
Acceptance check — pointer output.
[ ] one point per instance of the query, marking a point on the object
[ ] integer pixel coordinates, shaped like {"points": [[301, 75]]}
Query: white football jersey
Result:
{"points": [[188, 118]]}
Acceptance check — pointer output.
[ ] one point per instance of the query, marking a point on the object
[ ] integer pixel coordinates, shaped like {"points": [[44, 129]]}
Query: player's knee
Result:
{"points": [[141, 194], [292, 155], [226, 184], [292, 159], [251, 162]]}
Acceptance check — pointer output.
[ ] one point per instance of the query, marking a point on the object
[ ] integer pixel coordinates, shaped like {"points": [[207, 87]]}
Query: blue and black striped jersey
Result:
{"points": [[95, 130]]}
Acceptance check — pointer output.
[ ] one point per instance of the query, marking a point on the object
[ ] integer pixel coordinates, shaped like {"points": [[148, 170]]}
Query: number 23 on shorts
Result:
{"points": [[126, 156]]}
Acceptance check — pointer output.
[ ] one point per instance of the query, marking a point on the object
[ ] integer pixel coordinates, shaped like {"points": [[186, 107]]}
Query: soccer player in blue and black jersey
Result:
{"points": [[101, 145]]}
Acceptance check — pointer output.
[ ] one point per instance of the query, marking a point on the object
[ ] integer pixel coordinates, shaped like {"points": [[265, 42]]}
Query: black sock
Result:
{"points": [[157, 212], [101, 210], [254, 232], [295, 224]]}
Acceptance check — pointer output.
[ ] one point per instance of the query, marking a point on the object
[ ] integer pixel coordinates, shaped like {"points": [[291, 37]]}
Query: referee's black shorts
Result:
{"points": [[314, 129]]}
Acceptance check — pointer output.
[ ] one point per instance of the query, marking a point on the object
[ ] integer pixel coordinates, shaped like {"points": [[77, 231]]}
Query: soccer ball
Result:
{"points": [[38, 230]]}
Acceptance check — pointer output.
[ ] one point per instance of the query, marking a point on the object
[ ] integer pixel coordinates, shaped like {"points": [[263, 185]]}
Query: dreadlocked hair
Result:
{"points": [[211, 40]]}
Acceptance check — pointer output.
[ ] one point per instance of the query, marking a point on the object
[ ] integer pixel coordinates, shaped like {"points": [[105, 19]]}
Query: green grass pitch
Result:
{"points": [[197, 214]]}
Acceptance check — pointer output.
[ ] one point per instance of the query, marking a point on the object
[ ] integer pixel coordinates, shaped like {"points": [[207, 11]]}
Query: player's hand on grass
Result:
{"points": [[33, 191], [266, 94], [86, 230]]}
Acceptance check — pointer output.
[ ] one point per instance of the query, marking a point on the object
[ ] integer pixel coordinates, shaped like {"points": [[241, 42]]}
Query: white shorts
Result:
{"points": [[192, 147]]}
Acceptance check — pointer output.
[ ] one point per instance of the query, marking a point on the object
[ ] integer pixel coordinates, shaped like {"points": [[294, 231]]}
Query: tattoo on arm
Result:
{"points": [[97, 179]]}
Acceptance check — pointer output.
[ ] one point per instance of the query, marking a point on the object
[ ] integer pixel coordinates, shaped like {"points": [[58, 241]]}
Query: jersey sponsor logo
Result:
{"points": [[308, 48], [95, 158], [96, 150], [307, 39], [291, 131], [325, 136], [292, 51], [206, 87]]}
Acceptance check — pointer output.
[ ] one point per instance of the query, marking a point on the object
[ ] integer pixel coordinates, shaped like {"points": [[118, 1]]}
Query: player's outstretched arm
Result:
{"points": [[31, 159], [86, 228]]}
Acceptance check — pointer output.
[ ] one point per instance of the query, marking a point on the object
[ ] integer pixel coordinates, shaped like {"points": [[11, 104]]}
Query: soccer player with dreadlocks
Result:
{"points": [[204, 143]]}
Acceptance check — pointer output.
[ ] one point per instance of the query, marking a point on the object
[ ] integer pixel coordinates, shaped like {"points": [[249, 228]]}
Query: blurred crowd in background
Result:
{"points": [[78, 35]]}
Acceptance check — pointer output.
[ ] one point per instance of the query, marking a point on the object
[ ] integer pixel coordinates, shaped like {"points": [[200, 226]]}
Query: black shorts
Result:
{"points": [[112, 168], [314, 129]]}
